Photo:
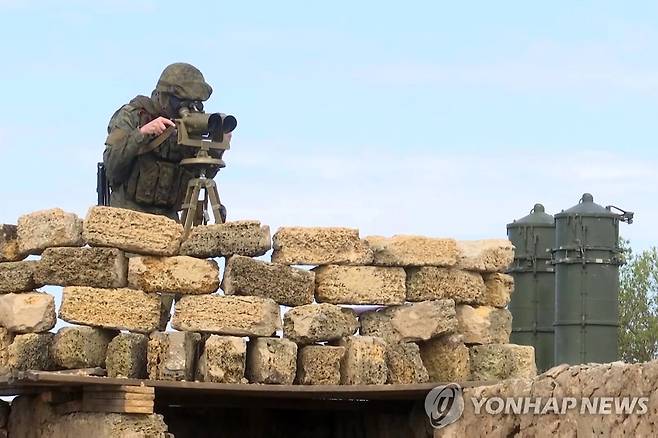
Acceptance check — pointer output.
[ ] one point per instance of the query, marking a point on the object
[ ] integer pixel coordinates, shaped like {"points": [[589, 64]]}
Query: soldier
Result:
{"points": [[146, 178]]}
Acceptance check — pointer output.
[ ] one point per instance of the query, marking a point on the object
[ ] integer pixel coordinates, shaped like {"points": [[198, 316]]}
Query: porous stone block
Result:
{"points": [[405, 250], [446, 359], [484, 324], [364, 361], [227, 315], [271, 360], [121, 309], [132, 231], [30, 312], [410, 322], [404, 364], [499, 288], [434, 283], [17, 276], [502, 361], [320, 246], [9, 244], [318, 323], [48, 228], [245, 238], [319, 365], [284, 284], [31, 351], [172, 356], [489, 255], [6, 338], [126, 356], [223, 360], [80, 347], [360, 285], [94, 267], [180, 275]]}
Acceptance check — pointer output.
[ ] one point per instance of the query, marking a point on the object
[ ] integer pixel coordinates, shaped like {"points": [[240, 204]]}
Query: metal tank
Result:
{"points": [[533, 300], [587, 259]]}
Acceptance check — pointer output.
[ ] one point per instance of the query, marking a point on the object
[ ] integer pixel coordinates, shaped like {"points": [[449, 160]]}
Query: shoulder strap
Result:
{"points": [[157, 141]]}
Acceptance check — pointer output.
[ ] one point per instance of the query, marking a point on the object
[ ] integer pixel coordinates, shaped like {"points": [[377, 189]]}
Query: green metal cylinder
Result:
{"points": [[587, 258], [533, 301]]}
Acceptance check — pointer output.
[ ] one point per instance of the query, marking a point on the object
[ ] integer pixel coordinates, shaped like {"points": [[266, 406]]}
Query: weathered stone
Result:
{"points": [[31, 417], [410, 322], [502, 361], [172, 356], [284, 284], [223, 360], [227, 315], [364, 361], [31, 351], [181, 275], [9, 251], [320, 246], [271, 360], [434, 283], [484, 324], [80, 347], [167, 302], [6, 338], [360, 285], [446, 359], [404, 364], [48, 228], [318, 323], [121, 309], [94, 267], [126, 356], [498, 291], [17, 276], [245, 238], [404, 250], [30, 312], [132, 231], [490, 255], [319, 365]]}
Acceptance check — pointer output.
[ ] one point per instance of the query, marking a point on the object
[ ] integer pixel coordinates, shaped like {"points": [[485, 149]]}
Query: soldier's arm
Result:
{"points": [[122, 145]]}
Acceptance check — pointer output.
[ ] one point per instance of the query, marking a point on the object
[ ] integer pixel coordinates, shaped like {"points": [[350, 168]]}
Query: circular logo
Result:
{"points": [[444, 405]]}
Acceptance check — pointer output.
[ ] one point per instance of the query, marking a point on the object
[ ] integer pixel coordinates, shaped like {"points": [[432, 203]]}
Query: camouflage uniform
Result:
{"points": [[151, 182]]}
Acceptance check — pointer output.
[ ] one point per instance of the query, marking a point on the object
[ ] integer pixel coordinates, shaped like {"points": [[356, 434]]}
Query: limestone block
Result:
{"points": [[31, 312], [284, 284], [434, 283], [319, 365], [9, 244], [404, 364], [245, 238], [490, 255], [48, 228], [94, 267], [172, 356], [227, 315], [17, 276], [320, 246], [446, 359], [6, 338], [364, 361], [406, 250], [502, 361], [360, 285], [121, 309], [132, 231], [499, 288], [410, 322], [271, 360], [181, 275], [318, 323], [484, 324], [80, 347], [126, 356], [223, 360], [31, 351]]}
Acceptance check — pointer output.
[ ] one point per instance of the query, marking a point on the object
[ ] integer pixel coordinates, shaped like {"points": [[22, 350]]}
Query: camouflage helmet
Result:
{"points": [[184, 81]]}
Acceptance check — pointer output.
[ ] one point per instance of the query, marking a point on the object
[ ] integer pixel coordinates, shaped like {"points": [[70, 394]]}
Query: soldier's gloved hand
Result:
{"points": [[157, 126]]}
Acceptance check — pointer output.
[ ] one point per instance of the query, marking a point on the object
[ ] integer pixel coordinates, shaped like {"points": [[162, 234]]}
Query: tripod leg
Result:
{"points": [[185, 206], [193, 204], [213, 194]]}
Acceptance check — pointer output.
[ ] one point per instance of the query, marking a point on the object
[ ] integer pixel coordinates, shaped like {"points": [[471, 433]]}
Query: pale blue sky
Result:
{"points": [[436, 118]]}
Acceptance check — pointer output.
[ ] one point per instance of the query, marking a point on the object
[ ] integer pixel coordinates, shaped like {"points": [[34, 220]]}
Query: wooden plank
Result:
{"points": [[101, 395], [97, 371], [131, 406], [59, 396], [121, 388]]}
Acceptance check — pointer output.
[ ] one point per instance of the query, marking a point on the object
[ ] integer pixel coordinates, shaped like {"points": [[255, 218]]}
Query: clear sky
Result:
{"points": [[437, 118]]}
